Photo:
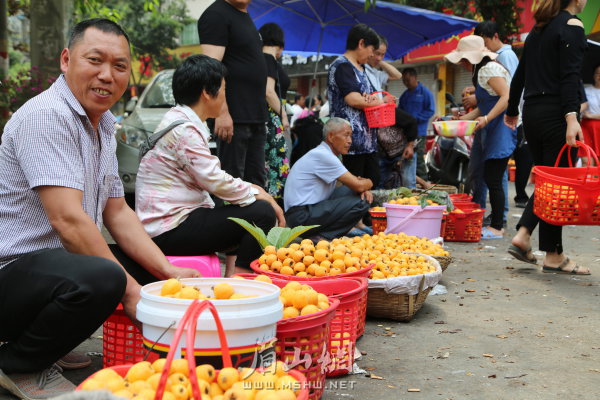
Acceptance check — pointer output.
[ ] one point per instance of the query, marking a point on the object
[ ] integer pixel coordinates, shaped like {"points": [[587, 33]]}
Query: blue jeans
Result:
{"points": [[408, 173]]}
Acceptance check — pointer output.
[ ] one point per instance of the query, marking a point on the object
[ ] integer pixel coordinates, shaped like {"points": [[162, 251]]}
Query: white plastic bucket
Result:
{"points": [[250, 324], [414, 220]]}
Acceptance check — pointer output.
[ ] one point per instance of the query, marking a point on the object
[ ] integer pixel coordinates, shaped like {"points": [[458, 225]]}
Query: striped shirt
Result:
{"points": [[50, 141]]}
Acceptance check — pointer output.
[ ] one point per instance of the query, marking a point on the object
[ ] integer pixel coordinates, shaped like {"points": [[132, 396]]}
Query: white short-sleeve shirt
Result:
{"points": [[313, 177], [491, 70]]}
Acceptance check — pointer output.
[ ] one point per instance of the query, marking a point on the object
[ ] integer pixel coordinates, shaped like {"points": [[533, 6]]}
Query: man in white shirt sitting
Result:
{"points": [[311, 196]]}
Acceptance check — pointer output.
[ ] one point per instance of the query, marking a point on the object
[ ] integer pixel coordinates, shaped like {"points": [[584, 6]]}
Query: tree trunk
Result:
{"points": [[50, 24], [3, 39]]}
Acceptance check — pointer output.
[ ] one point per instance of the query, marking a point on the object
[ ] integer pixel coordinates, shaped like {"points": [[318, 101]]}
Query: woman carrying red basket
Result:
{"points": [[549, 71]]}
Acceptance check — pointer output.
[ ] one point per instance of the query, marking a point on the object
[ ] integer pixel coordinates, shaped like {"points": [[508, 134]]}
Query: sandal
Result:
{"points": [[560, 270], [487, 234], [521, 254]]}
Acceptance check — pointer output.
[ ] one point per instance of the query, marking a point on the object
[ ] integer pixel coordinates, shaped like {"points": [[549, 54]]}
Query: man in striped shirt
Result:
{"points": [[59, 280]]}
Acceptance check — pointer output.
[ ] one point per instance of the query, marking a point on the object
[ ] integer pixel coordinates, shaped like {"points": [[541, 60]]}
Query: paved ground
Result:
{"points": [[503, 331]]}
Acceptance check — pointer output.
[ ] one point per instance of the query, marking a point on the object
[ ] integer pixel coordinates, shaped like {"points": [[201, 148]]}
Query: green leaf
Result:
{"points": [[255, 231], [423, 202], [405, 192], [276, 234], [295, 232]]}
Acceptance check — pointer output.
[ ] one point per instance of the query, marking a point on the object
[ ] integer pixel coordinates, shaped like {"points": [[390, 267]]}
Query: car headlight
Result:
{"points": [[131, 135]]}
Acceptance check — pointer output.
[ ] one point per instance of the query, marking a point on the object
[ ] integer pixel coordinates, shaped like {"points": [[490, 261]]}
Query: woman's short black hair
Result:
{"points": [[272, 35], [362, 31], [197, 73]]}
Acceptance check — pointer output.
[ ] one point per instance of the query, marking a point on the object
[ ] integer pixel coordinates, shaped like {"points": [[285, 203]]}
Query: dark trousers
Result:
{"points": [[523, 164], [208, 230], [335, 216], [420, 154], [244, 157], [494, 169], [545, 127], [51, 301], [363, 165]]}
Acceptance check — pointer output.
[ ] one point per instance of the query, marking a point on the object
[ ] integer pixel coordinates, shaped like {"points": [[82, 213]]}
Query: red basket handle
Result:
{"points": [[589, 152], [190, 319], [382, 91]]}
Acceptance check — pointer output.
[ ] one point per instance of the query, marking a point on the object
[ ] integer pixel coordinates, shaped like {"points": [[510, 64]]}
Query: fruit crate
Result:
{"points": [[122, 342], [465, 226]]}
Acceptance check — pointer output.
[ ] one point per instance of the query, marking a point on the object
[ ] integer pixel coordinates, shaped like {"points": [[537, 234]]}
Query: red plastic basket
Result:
{"points": [[363, 272], [122, 342], [464, 227], [378, 221], [568, 196], [512, 173], [381, 115], [466, 205], [460, 197], [302, 342], [188, 323], [349, 321]]}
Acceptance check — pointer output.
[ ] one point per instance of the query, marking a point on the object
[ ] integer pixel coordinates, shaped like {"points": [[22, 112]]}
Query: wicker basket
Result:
{"points": [[399, 307], [444, 261]]}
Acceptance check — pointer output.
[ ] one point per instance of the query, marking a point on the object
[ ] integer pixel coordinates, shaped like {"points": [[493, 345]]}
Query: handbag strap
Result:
{"points": [[151, 140]]}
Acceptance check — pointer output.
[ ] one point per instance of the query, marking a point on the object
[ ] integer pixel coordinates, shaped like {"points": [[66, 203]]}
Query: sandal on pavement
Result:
{"points": [[560, 270], [521, 254], [487, 234]]}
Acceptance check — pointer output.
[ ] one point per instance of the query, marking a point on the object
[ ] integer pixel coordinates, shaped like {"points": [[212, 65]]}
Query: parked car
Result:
{"points": [[145, 115]]}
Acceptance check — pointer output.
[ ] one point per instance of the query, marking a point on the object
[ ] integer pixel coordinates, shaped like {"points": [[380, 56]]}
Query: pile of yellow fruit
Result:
{"points": [[378, 209], [298, 299], [384, 251], [174, 288], [411, 201], [141, 382]]}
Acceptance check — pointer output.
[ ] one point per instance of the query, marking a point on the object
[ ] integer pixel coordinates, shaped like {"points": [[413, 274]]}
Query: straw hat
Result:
{"points": [[471, 48]]}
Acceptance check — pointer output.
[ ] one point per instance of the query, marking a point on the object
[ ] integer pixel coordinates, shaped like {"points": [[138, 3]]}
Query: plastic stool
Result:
{"points": [[209, 266]]}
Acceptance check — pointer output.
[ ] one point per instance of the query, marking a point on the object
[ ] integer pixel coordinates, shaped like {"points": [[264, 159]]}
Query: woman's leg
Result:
{"points": [[493, 174]]}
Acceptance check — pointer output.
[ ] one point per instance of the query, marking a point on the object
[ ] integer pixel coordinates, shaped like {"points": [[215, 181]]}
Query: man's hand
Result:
{"points": [[174, 271], [574, 132], [130, 299], [469, 101], [262, 195], [366, 180], [511, 122], [372, 99], [468, 91], [409, 151], [368, 196], [224, 127]]}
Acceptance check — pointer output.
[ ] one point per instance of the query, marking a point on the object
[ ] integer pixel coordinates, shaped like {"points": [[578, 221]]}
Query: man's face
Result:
{"points": [[410, 81], [378, 56], [340, 140], [301, 101], [489, 42], [364, 52], [97, 69], [241, 5]]}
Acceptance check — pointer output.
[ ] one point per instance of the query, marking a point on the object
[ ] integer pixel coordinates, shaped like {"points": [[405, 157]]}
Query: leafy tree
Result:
{"points": [[505, 12], [153, 27]]}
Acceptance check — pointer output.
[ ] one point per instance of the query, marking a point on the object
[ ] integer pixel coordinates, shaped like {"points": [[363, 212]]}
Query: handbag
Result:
{"points": [[151, 141]]}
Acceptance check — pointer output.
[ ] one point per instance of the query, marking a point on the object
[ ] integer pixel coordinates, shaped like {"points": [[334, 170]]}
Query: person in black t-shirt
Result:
{"points": [[549, 73], [228, 34], [276, 160]]}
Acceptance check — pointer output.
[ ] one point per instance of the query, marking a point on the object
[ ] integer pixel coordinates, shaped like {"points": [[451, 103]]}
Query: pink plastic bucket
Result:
{"points": [[208, 266], [414, 220]]}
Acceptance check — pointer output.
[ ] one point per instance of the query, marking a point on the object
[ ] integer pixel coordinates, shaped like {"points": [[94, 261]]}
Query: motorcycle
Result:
{"points": [[448, 159]]}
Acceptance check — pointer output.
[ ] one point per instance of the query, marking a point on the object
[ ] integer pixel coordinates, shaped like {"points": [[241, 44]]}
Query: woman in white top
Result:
{"points": [[177, 177], [492, 82]]}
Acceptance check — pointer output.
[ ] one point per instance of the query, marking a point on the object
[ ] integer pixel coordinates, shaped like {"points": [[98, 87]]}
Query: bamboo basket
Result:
{"points": [[444, 261], [399, 307]]}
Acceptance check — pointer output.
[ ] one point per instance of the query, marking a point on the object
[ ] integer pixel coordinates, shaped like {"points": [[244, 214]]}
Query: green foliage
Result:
{"points": [[506, 13], [153, 28], [277, 236]]}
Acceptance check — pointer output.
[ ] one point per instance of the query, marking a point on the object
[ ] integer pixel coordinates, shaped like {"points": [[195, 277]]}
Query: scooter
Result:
{"points": [[448, 159]]}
